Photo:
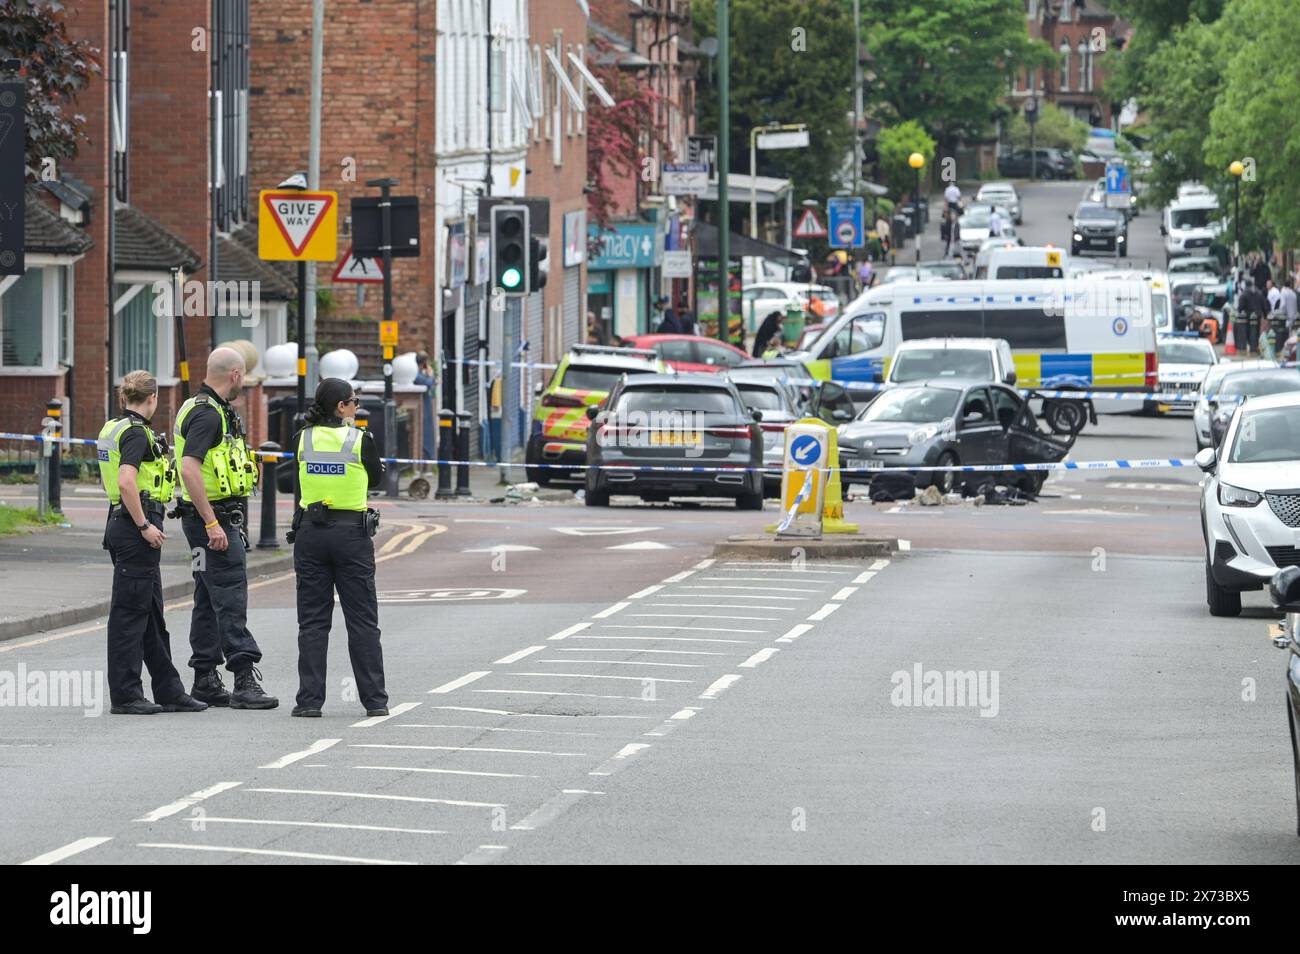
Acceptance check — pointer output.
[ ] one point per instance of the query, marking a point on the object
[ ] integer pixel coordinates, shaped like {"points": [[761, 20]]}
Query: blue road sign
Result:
{"points": [[846, 218], [1117, 180], [805, 449]]}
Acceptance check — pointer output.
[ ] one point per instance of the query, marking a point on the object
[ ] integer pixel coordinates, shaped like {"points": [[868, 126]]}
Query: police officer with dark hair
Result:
{"points": [[138, 477], [217, 474], [332, 549]]}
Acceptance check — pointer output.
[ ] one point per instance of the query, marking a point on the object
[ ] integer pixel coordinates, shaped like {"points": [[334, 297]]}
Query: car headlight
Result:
{"points": [[1078, 237], [922, 434], [1231, 496], [1119, 238]]}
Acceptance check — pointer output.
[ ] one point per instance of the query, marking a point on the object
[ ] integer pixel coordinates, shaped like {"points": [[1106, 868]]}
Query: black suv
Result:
{"points": [[1099, 229], [1050, 164]]}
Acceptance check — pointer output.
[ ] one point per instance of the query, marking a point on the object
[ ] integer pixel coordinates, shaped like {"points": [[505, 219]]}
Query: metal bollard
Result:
{"points": [[462, 455], [446, 451], [54, 418], [270, 469]]}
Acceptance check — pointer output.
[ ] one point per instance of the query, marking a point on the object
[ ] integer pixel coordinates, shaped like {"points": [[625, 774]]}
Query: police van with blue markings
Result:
{"points": [[1065, 334]]}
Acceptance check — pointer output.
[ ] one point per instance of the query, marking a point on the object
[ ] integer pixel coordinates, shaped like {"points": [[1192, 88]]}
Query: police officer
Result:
{"points": [[217, 474], [138, 477], [332, 549]]}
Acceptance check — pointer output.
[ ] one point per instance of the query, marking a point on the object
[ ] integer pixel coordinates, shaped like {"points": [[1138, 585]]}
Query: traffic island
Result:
{"points": [[837, 546]]}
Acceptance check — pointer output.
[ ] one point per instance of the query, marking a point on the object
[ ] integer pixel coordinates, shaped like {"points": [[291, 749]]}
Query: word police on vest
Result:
{"points": [[209, 300], [327, 470], [76, 907]]}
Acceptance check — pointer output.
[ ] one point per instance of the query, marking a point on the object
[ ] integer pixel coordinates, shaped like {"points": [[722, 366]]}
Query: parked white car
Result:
{"points": [[817, 301], [1201, 412], [1250, 500], [1003, 194], [1183, 362]]}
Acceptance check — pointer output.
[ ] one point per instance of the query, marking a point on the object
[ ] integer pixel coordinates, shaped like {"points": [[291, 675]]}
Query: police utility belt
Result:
{"points": [[151, 507], [229, 511], [322, 516]]}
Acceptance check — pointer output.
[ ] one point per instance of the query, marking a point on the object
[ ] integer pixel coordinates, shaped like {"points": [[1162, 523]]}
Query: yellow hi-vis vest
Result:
{"points": [[155, 479], [228, 469], [330, 469]]}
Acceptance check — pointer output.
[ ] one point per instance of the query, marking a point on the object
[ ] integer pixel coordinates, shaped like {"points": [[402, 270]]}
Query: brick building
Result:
{"points": [[1082, 32]]}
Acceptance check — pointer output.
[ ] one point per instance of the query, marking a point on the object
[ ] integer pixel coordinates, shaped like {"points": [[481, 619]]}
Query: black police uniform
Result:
{"points": [[137, 629], [333, 551]]}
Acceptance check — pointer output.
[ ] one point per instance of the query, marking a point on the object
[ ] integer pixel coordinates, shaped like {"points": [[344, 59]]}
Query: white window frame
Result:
{"points": [[165, 330], [1065, 52], [56, 269], [1082, 50]]}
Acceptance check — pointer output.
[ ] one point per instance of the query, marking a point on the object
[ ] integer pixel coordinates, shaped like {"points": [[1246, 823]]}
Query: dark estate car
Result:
{"points": [[916, 426], [675, 421], [1098, 229], [1050, 164]]}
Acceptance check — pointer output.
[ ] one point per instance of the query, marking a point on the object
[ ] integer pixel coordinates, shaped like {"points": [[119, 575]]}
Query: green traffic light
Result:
{"points": [[511, 278]]}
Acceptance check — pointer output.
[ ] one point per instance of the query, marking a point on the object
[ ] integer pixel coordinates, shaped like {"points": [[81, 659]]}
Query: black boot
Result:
{"points": [[139, 706], [306, 712], [209, 688], [184, 703], [248, 692]]}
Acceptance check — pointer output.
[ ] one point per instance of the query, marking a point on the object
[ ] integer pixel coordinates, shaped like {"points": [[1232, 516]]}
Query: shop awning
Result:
{"points": [[706, 246]]}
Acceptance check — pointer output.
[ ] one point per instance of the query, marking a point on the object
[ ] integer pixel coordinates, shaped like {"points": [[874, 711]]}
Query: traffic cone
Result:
{"points": [[1230, 343]]}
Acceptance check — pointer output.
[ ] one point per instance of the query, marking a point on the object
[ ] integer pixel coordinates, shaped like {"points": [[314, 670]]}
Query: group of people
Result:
{"points": [[214, 472], [1256, 300]]}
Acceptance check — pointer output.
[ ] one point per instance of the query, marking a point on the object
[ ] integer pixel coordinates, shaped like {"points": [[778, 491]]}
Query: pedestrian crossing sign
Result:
{"points": [[809, 226], [297, 226]]}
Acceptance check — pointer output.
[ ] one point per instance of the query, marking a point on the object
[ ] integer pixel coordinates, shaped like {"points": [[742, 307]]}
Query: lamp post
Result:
{"points": [[1236, 168], [917, 162]]}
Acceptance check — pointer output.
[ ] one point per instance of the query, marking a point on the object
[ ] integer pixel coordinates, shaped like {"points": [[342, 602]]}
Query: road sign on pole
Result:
{"points": [[846, 218], [1118, 186], [297, 226], [809, 226], [358, 270]]}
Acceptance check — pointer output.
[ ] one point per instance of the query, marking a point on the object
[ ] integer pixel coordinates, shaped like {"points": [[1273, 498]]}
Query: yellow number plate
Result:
{"points": [[674, 438]]}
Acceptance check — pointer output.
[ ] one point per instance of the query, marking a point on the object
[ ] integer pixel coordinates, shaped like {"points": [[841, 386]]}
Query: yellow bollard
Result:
{"points": [[833, 511]]}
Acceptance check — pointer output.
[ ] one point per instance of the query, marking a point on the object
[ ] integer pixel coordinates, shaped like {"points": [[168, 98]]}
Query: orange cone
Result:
{"points": [[1230, 343]]}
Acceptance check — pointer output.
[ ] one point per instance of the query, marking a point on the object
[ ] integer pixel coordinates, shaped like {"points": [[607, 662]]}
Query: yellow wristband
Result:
{"points": [[209, 526]]}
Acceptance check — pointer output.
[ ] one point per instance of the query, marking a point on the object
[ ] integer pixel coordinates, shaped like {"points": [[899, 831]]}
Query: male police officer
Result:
{"points": [[217, 473]]}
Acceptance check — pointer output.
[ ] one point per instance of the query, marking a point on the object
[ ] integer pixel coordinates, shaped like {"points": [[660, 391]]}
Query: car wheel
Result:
{"points": [[945, 480], [538, 475], [596, 498], [1222, 602], [749, 502], [1065, 417]]}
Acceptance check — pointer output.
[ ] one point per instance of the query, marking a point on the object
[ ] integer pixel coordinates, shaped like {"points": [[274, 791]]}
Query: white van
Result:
{"points": [[1162, 306], [925, 359], [1086, 334], [1190, 224], [1020, 262]]}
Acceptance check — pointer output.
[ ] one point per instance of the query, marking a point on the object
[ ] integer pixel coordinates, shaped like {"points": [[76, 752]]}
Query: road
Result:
{"points": [[573, 685]]}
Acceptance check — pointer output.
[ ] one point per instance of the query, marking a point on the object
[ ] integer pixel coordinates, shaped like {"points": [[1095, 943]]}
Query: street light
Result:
{"points": [[917, 162], [1236, 168]]}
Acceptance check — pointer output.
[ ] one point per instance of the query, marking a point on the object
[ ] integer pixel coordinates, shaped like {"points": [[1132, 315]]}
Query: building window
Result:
{"points": [[119, 96], [1083, 66], [142, 338], [22, 321], [537, 81], [1065, 11], [229, 98], [1065, 66]]}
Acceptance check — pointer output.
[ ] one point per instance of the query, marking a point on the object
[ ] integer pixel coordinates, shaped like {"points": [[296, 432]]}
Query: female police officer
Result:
{"points": [[332, 550], [137, 474]]}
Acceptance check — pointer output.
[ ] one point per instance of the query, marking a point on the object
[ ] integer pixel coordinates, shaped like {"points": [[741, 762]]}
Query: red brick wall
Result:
{"points": [[377, 109]]}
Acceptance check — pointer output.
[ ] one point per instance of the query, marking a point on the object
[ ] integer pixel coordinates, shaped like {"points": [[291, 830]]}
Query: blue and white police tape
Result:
{"points": [[540, 365], [1163, 397], [804, 491], [44, 437]]}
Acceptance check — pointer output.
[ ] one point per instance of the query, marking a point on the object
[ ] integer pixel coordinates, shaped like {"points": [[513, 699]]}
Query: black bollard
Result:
{"points": [[54, 413], [462, 455], [446, 451], [270, 469]]}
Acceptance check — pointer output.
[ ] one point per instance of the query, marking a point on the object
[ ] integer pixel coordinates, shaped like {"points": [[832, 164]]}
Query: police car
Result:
{"points": [[583, 378]]}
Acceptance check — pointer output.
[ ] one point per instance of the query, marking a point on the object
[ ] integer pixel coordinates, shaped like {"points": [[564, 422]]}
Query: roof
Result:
{"points": [[141, 243], [972, 343], [611, 361], [44, 230], [706, 245], [1266, 402], [686, 378], [71, 191], [769, 189], [236, 262]]}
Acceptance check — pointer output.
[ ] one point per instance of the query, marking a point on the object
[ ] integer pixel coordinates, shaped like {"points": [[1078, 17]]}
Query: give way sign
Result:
{"points": [[297, 226]]}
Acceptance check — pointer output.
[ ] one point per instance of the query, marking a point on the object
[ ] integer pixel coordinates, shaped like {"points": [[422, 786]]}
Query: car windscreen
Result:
{"points": [[1192, 218], [922, 364], [650, 400], [1098, 214], [1207, 265], [1265, 435], [912, 405], [975, 219], [1254, 385], [1016, 272], [589, 378], [1179, 352], [760, 398]]}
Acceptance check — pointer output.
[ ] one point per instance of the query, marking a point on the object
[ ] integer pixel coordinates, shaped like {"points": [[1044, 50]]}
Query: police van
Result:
{"points": [[1080, 334], [1020, 262]]}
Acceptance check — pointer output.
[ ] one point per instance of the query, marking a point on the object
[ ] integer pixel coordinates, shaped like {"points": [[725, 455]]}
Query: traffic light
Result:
{"points": [[510, 249], [539, 262]]}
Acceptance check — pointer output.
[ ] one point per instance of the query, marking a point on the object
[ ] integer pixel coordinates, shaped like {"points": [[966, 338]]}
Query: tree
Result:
{"points": [[1055, 129], [894, 146], [55, 68], [791, 61]]}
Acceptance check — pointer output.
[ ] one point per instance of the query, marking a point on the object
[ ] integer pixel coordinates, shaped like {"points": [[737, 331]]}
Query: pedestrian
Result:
{"points": [[139, 479], [1274, 295], [668, 323], [429, 429], [768, 331], [945, 230], [333, 552], [217, 474], [995, 222], [801, 271], [686, 318], [1289, 303], [952, 196], [1260, 271], [882, 232], [866, 274]]}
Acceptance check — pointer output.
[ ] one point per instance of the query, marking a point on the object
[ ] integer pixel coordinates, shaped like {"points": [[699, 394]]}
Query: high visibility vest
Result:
{"points": [[228, 469], [155, 478], [330, 469]]}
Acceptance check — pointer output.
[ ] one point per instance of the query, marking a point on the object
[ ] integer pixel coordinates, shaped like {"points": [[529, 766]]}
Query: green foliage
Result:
{"points": [[893, 147], [1056, 129], [13, 519]]}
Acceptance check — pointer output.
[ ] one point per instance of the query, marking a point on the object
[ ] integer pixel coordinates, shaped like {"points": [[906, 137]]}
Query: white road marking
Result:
{"points": [[502, 548], [759, 579], [783, 609], [719, 686], [438, 771], [590, 675], [183, 803], [68, 850], [602, 531], [879, 565], [631, 750], [208, 820], [622, 662], [845, 593], [705, 564], [825, 611], [794, 633], [484, 855], [542, 715], [516, 656], [689, 629], [904, 545], [307, 855], [320, 745], [760, 589], [655, 588], [695, 616], [495, 728], [566, 633], [639, 652], [736, 596], [610, 610], [768, 564], [678, 577], [763, 655], [538, 692], [864, 576], [477, 520], [685, 713], [458, 748], [392, 714], [675, 639], [797, 571], [385, 798], [551, 809], [464, 680], [641, 545]]}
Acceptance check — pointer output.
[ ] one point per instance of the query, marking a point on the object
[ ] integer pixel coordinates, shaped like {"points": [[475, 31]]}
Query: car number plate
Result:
{"points": [[674, 438], [1098, 241], [864, 463]]}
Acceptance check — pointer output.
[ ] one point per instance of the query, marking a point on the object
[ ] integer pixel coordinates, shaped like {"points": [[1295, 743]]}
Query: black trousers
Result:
{"points": [[219, 622], [137, 632], [337, 556]]}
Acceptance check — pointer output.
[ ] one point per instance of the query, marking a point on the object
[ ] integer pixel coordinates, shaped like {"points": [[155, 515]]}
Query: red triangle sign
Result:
{"points": [[809, 226], [297, 215]]}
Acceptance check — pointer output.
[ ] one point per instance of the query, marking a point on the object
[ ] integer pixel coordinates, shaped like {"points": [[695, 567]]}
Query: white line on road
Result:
{"points": [[825, 611], [68, 850], [768, 564], [566, 633], [610, 611], [209, 820], [763, 655], [392, 714], [307, 855], [879, 565], [686, 629], [631, 750], [678, 577], [623, 662], [183, 803], [458, 748], [657, 652], [794, 633], [646, 592], [845, 593], [464, 680], [864, 576], [516, 656], [736, 596], [539, 692], [593, 675], [438, 771], [385, 798], [783, 609], [758, 579], [760, 589], [686, 712], [796, 571], [675, 639], [719, 686], [495, 728], [704, 564], [541, 715], [551, 809], [695, 616], [320, 745], [484, 855]]}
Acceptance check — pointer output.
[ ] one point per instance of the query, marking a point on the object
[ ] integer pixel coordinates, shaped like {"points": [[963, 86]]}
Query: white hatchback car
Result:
{"points": [[1209, 385], [1250, 500]]}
